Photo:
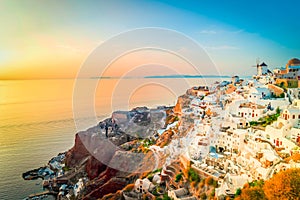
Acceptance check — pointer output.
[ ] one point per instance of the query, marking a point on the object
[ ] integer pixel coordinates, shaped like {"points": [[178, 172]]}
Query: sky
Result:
{"points": [[52, 39]]}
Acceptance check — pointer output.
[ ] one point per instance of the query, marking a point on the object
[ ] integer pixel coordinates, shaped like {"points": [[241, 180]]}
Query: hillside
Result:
{"points": [[282, 186]]}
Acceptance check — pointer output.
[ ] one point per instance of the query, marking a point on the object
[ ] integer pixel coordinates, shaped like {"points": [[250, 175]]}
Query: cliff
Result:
{"points": [[77, 153], [111, 159], [120, 169]]}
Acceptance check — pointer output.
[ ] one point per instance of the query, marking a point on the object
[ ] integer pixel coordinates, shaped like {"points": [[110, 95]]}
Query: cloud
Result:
{"points": [[237, 31], [212, 32], [208, 32], [222, 47]]}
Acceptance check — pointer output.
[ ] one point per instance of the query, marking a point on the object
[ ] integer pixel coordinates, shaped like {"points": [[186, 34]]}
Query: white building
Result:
{"points": [[180, 194], [231, 183], [295, 135], [250, 111], [231, 140], [143, 185], [292, 115], [78, 187]]}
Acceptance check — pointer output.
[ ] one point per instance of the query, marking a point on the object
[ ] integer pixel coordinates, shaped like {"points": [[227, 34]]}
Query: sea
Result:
{"points": [[37, 119]]}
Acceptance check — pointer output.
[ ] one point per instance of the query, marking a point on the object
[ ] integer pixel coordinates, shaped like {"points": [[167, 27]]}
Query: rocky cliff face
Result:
{"points": [[99, 153], [105, 180], [94, 167], [108, 181], [184, 100], [77, 153]]}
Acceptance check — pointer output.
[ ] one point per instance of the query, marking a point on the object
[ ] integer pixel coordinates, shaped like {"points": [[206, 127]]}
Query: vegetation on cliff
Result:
{"points": [[282, 186], [267, 120], [200, 187]]}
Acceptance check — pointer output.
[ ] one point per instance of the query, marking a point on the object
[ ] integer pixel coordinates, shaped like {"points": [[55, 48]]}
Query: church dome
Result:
{"points": [[293, 62]]}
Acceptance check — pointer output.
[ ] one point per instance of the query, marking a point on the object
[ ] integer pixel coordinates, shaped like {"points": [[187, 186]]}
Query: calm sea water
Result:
{"points": [[36, 120]]}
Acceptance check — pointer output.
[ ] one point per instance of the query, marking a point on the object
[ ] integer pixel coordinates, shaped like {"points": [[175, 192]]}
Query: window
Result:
{"points": [[293, 116]]}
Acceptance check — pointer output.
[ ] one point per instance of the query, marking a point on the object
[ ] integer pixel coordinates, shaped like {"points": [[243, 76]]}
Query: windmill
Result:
{"points": [[258, 67]]}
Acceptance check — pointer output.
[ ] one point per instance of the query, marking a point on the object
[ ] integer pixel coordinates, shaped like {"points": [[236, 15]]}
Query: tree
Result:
{"points": [[166, 197], [193, 175], [252, 193], [203, 196], [209, 181], [238, 192], [278, 110], [284, 185], [178, 177], [213, 192], [259, 183]]}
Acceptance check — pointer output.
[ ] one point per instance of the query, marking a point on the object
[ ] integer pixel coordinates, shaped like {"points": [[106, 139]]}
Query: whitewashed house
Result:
{"points": [[292, 115], [251, 111], [143, 185], [180, 194], [231, 140]]}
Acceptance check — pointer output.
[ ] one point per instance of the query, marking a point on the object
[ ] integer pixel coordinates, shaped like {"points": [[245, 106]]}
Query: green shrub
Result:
{"points": [[150, 177], [253, 123], [166, 197], [213, 192], [203, 196], [209, 181], [238, 192], [66, 168], [155, 193], [193, 176], [157, 170], [178, 177], [278, 110], [259, 183]]}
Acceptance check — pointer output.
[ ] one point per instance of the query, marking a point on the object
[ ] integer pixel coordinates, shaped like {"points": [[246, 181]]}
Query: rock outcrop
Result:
{"points": [[110, 158], [77, 153], [120, 169]]}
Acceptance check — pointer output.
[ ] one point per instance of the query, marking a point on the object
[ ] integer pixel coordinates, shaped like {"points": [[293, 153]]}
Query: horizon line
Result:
{"points": [[128, 77]]}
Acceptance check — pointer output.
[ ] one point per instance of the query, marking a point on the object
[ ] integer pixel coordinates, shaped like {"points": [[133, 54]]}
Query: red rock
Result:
{"points": [[77, 153], [94, 167]]}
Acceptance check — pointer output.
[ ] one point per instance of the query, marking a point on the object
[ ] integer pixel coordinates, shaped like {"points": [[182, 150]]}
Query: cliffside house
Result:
{"points": [[180, 194], [143, 186], [290, 75]]}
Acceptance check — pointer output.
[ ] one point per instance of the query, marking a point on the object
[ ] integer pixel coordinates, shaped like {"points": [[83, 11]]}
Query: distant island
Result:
{"points": [[162, 76], [186, 76]]}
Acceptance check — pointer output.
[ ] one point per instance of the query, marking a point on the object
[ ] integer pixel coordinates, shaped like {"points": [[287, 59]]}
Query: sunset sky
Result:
{"points": [[51, 39]]}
